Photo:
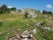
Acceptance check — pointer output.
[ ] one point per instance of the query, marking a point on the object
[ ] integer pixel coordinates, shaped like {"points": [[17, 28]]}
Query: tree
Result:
{"points": [[3, 8], [46, 12], [13, 8]]}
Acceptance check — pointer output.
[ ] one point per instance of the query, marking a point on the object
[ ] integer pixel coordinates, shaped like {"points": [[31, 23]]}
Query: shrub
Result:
{"points": [[0, 24]]}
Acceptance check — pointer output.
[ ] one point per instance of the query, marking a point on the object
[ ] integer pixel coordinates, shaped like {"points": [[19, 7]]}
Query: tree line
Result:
{"points": [[47, 12], [5, 9]]}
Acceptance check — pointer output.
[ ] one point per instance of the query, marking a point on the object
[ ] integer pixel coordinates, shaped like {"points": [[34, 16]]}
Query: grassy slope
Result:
{"points": [[9, 22]]}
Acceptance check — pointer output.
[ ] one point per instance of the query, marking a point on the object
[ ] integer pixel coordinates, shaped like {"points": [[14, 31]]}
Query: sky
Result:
{"points": [[35, 4]]}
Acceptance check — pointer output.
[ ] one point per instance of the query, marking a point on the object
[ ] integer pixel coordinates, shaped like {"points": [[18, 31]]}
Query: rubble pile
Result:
{"points": [[26, 35]]}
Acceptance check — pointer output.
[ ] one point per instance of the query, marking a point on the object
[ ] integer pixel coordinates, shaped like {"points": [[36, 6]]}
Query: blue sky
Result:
{"points": [[36, 4]]}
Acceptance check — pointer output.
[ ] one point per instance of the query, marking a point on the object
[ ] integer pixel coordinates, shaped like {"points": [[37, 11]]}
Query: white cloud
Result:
{"points": [[49, 6], [9, 6]]}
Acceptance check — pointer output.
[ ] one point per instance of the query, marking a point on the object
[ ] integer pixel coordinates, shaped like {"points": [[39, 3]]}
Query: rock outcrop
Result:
{"points": [[31, 12]]}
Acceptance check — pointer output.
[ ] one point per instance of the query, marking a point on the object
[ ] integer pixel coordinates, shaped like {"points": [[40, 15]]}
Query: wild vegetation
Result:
{"points": [[10, 22]]}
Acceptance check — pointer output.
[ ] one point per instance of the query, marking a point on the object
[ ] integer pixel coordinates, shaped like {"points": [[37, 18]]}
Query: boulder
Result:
{"points": [[38, 24], [34, 31]]}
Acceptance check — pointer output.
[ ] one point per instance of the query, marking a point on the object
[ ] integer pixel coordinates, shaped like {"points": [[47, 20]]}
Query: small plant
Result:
{"points": [[0, 24]]}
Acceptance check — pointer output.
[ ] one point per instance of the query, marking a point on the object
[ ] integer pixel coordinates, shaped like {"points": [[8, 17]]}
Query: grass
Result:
{"points": [[10, 22]]}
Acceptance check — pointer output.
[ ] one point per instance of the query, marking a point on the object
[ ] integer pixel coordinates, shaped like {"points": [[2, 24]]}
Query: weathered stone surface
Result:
{"points": [[47, 28], [23, 36], [38, 24], [31, 12], [34, 31]]}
